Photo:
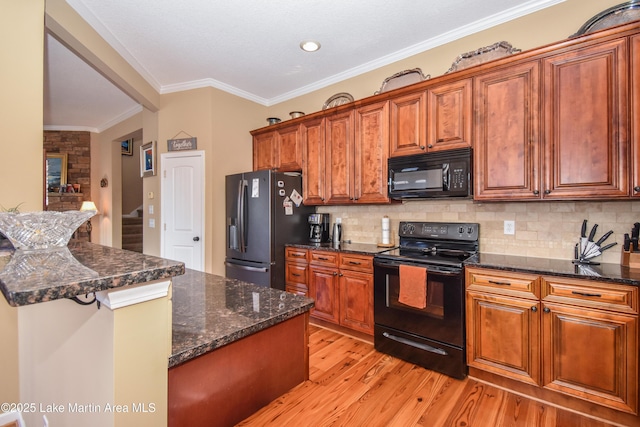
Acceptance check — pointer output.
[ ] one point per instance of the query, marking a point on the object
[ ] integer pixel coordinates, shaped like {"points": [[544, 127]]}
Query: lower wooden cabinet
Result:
{"points": [[340, 283], [574, 337]]}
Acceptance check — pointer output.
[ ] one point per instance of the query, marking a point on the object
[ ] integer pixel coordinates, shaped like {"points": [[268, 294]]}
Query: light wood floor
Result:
{"points": [[351, 384]]}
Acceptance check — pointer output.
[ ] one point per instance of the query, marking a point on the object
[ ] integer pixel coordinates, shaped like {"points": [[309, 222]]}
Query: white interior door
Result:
{"points": [[183, 208]]}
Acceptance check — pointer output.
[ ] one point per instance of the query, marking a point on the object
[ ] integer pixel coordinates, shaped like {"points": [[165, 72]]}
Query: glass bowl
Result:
{"points": [[42, 229]]}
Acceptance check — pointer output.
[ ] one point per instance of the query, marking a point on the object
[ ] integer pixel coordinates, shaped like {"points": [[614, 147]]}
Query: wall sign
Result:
{"points": [[182, 144]]}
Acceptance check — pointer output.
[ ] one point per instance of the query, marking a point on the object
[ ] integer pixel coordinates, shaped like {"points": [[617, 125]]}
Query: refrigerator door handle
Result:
{"points": [[241, 215], [246, 267]]}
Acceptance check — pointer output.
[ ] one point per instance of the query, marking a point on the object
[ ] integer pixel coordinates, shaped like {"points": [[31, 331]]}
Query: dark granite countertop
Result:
{"points": [[354, 248], [210, 311], [556, 267], [31, 277]]}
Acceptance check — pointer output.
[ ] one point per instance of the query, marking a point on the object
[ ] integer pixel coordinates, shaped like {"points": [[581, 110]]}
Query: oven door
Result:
{"points": [[443, 317], [432, 337]]}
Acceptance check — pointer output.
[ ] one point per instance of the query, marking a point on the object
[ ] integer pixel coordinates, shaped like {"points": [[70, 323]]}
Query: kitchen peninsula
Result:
{"points": [[105, 363]]}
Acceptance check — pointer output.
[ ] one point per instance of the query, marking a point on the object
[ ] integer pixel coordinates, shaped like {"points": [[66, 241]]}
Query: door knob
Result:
{"points": [[196, 239]]}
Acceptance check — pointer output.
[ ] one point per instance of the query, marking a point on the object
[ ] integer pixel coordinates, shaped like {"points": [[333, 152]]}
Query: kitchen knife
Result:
{"points": [[583, 236], [599, 251], [635, 231], [627, 242], [604, 237], [590, 243]]}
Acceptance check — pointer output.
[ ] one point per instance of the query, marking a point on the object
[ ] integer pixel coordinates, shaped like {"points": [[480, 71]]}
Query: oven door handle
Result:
{"points": [[430, 269], [415, 344]]}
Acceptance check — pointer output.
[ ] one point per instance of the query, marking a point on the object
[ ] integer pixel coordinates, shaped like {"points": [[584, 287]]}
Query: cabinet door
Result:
{"points": [[289, 149], [585, 121], [323, 288], [408, 123], [449, 113], [592, 355], [503, 336], [339, 158], [356, 301], [370, 153], [506, 145], [313, 161], [264, 151], [635, 112]]}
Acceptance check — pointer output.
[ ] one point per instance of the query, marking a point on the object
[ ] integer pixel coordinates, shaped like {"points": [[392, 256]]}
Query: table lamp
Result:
{"points": [[89, 206]]}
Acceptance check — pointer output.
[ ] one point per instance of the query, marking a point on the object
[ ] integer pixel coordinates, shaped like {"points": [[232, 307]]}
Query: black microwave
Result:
{"points": [[430, 175]]}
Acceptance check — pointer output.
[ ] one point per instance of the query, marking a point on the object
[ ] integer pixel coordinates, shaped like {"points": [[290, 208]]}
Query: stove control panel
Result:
{"points": [[440, 230]]}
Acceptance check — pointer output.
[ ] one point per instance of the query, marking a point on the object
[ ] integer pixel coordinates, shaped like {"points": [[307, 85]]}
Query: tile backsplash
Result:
{"points": [[542, 229]]}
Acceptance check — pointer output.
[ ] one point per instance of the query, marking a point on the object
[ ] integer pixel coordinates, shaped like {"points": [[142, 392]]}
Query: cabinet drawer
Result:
{"points": [[356, 262], [329, 259], [296, 254], [295, 273], [503, 282], [586, 293]]}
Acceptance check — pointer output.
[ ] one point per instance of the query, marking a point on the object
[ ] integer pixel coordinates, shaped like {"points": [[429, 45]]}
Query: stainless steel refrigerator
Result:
{"points": [[264, 211]]}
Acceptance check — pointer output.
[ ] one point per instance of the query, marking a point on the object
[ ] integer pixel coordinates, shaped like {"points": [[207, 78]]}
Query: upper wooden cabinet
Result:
{"points": [[507, 140], [635, 113], [437, 119], [408, 124], [585, 121], [279, 149], [346, 160], [449, 116]]}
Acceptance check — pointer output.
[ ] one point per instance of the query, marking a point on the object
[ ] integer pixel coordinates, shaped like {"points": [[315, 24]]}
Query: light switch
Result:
{"points": [[152, 223], [150, 194], [150, 209]]}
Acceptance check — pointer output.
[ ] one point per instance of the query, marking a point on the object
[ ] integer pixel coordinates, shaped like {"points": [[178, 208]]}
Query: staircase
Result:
{"points": [[132, 233]]}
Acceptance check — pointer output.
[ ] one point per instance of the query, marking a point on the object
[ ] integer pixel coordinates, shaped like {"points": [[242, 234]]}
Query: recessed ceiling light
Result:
{"points": [[309, 46]]}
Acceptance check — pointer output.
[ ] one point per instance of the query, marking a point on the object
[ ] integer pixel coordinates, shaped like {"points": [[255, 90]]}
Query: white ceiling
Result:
{"points": [[251, 47]]}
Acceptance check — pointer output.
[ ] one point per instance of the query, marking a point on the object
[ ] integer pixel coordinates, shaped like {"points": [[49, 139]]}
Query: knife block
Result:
{"points": [[630, 259]]}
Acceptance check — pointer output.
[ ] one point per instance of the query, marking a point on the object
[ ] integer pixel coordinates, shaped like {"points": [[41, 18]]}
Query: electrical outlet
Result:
{"points": [[509, 227]]}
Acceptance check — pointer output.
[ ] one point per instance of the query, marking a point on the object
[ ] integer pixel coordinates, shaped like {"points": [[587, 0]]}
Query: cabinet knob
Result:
{"points": [[340, 274], [422, 147], [196, 239], [430, 145], [534, 308], [335, 273], [636, 189], [547, 191], [536, 192], [546, 310]]}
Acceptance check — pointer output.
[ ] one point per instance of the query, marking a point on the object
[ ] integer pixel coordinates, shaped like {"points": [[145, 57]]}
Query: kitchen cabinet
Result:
{"points": [[507, 136], [449, 115], [324, 285], [280, 150], [408, 124], [346, 162], [635, 112], [342, 286], [296, 270], [356, 292], [585, 122], [579, 338]]}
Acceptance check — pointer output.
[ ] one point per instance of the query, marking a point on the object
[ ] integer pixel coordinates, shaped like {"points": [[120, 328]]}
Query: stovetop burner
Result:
{"points": [[436, 243]]}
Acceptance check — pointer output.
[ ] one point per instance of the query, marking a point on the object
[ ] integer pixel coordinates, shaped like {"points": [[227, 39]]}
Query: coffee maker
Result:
{"points": [[318, 228]]}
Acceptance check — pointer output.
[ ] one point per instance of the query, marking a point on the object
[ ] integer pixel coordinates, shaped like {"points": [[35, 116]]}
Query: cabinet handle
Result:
{"points": [[321, 258], [585, 294], [546, 310], [547, 191], [354, 263], [295, 274], [534, 308], [636, 189], [500, 283], [298, 255], [536, 192]]}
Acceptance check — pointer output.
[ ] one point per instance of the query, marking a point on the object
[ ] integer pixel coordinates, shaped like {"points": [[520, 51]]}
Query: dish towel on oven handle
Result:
{"points": [[413, 286]]}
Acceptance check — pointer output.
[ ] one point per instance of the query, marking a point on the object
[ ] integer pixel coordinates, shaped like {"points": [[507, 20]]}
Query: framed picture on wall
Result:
{"points": [[148, 159], [127, 147], [56, 170]]}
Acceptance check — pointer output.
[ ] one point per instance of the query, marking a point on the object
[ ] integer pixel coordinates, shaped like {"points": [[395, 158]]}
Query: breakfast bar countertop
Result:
{"points": [[31, 277], [210, 311]]}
